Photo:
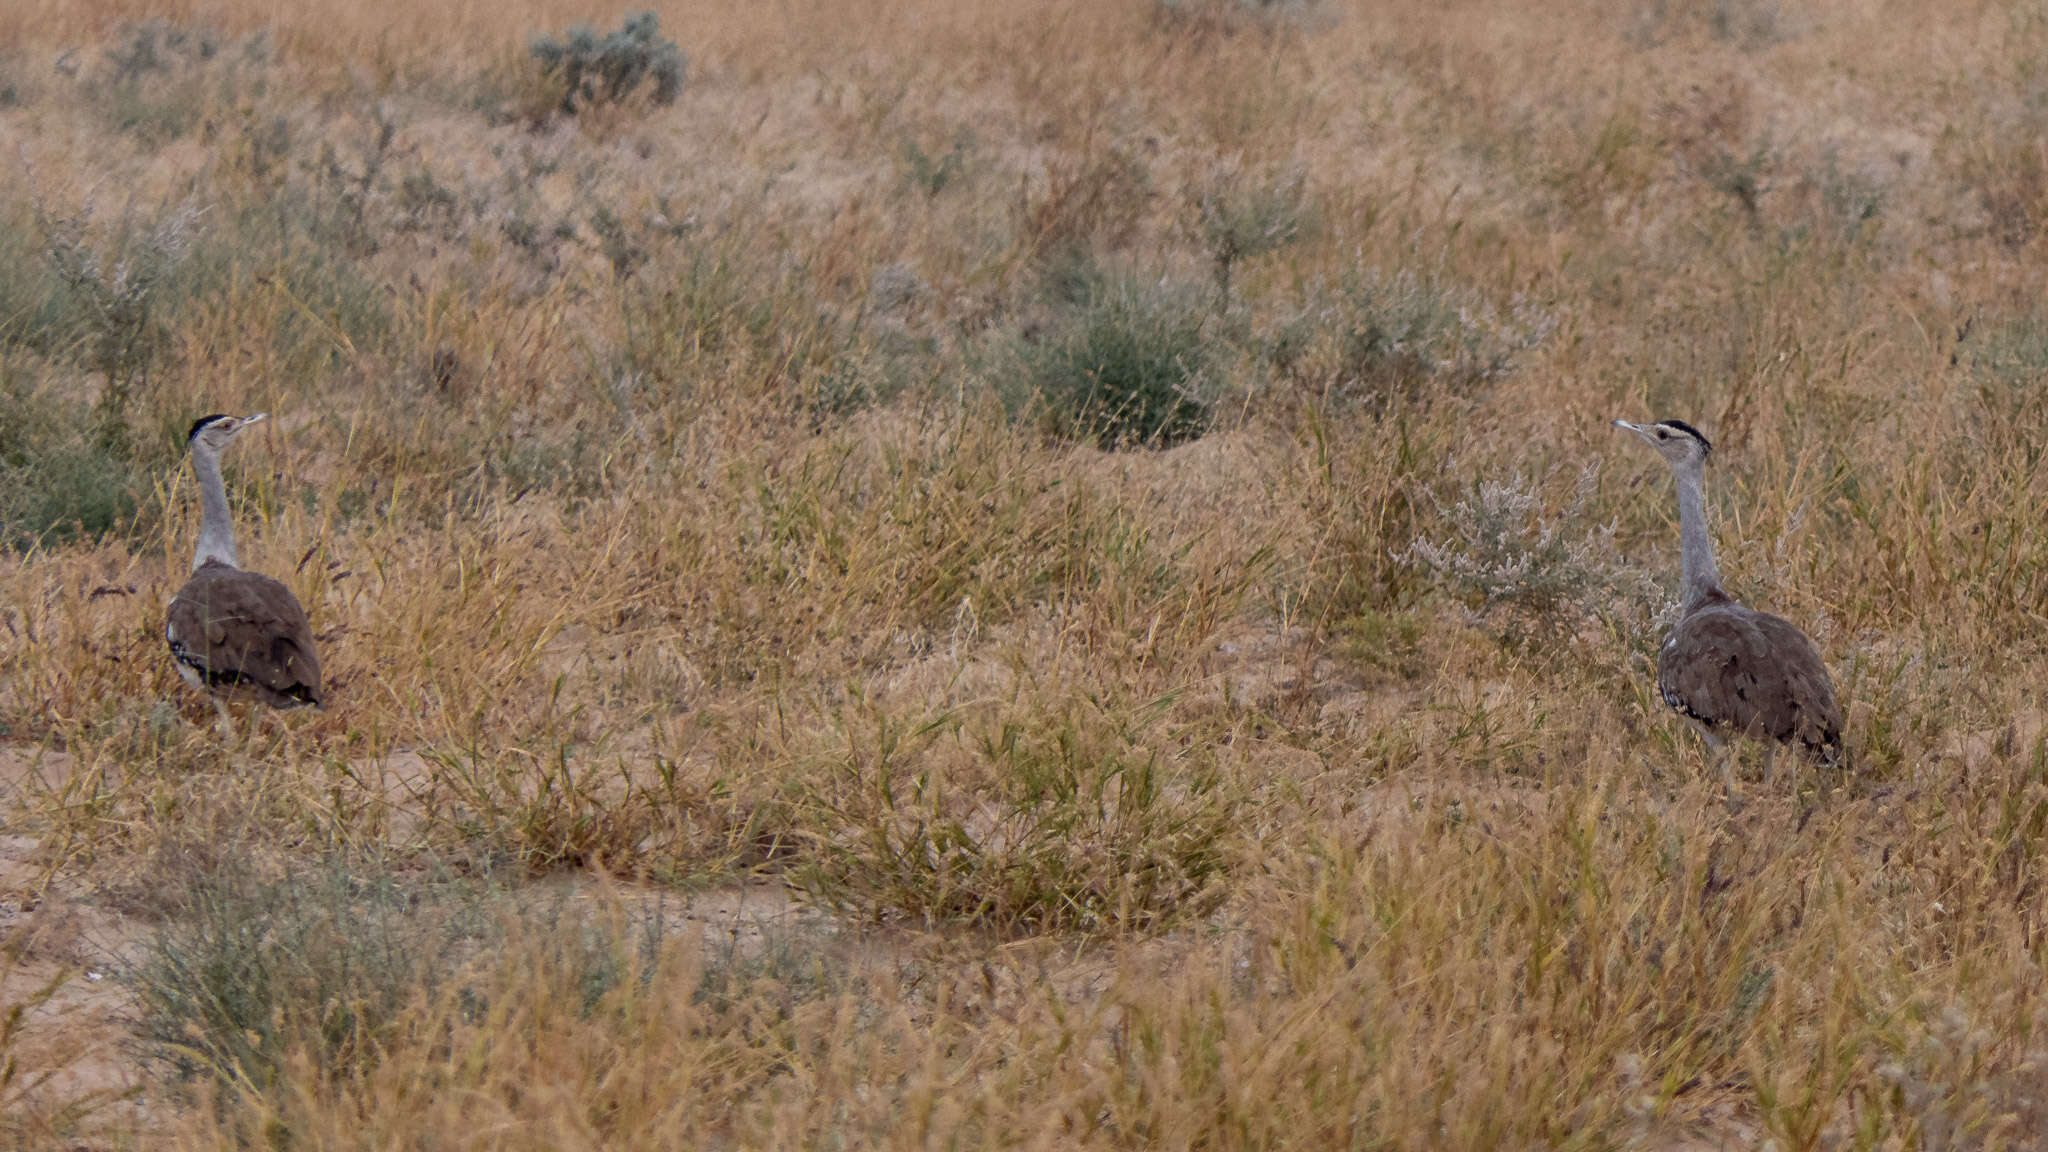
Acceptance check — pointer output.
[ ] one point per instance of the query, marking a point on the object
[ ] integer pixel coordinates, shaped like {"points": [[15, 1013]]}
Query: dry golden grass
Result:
{"points": [[649, 480]]}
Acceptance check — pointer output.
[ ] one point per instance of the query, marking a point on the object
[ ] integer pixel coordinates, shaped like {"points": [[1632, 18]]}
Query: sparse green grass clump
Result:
{"points": [[1032, 820], [37, 1105], [932, 174], [13, 93], [152, 78], [162, 81], [253, 970]]}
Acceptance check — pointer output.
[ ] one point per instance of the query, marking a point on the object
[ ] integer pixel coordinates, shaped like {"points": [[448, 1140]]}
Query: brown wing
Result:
{"points": [[241, 634], [1727, 666]]}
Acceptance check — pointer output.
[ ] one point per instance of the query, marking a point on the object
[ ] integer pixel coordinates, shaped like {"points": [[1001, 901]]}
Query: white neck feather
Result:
{"points": [[1698, 573], [216, 530]]}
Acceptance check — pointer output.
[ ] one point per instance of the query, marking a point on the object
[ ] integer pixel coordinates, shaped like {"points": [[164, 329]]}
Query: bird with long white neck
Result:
{"points": [[1725, 667], [234, 634]]}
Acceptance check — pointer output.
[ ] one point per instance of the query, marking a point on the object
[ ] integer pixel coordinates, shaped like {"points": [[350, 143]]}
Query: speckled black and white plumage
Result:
{"points": [[242, 636], [1738, 671]]}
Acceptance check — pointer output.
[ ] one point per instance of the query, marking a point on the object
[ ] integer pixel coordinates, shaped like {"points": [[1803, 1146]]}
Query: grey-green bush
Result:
{"points": [[1396, 333], [595, 69]]}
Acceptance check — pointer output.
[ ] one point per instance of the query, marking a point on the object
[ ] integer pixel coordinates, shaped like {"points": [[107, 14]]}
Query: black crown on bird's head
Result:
{"points": [[202, 424], [1680, 426]]}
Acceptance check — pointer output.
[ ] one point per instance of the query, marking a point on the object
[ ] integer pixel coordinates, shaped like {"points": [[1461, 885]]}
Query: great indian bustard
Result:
{"points": [[1727, 668], [237, 635]]}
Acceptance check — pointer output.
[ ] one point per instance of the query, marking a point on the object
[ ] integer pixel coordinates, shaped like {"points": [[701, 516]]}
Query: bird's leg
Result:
{"points": [[1724, 759], [1770, 766], [225, 724]]}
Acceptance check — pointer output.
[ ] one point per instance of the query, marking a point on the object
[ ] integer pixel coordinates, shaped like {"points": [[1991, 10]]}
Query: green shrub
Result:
{"points": [[1238, 216], [932, 174], [592, 69], [97, 296], [160, 81], [60, 481], [1128, 366], [80, 491], [104, 293], [1392, 340]]}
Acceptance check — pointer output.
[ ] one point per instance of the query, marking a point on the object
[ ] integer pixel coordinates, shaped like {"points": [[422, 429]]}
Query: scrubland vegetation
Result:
{"points": [[983, 575]]}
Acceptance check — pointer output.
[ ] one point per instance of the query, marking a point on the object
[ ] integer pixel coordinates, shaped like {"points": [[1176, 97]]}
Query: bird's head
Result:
{"points": [[214, 432], [1678, 442]]}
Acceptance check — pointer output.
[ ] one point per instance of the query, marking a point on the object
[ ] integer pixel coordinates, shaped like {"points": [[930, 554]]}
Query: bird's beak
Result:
{"points": [[1642, 430], [248, 420]]}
